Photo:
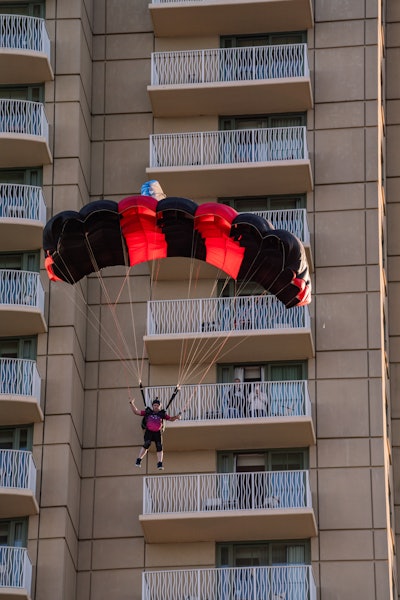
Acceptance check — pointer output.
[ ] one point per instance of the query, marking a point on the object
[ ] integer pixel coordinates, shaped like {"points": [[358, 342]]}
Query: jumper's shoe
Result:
{"points": [[160, 466], [138, 463]]}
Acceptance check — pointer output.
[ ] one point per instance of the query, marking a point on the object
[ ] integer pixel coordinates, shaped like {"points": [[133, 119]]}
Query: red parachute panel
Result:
{"points": [[214, 222], [144, 239]]}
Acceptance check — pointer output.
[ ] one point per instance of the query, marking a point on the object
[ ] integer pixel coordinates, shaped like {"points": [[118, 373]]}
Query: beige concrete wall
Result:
{"points": [[53, 535], [90, 492], [353, 467], [393, 224]]}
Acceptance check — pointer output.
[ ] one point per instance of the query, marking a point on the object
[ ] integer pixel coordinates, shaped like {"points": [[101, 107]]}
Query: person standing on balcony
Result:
{"points": [[258, 402], [235, 402], [154, 418]]}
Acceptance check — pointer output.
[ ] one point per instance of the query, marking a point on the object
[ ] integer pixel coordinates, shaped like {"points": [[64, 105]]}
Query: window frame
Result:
{"points": [[34, 8], [226, 372], [33, 93], [17, 433], [227, 459], [298, 200], [29, 176], [28, 261], [264, 121], [12, 538], [26, 347], [268, 547], [235, 41]]}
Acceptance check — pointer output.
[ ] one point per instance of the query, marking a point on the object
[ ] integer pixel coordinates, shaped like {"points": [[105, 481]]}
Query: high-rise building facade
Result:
{"points": [[281, 479]]}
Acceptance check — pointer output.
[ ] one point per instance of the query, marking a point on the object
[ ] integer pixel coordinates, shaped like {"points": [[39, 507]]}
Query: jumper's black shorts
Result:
{"points": [[153, 436]]}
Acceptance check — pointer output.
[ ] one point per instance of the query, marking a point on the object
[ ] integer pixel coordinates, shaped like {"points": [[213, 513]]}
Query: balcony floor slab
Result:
{"points": [[240, 434], [235, 179], [21, 320], [222, 17], [24, 66], [19, 150], [232, 98], [18, 410], [222, 525], [251, 346], [15, 502]]}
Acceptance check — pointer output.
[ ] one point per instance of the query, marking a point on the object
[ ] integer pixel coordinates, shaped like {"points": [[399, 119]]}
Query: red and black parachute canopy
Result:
{"points": [[140, 228]]}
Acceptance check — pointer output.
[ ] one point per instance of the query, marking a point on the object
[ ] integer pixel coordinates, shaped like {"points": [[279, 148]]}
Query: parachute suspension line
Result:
{"points": [[210, 355], [95, 321], [123, 345], [190, 350], [139, 364], [185, 350]]}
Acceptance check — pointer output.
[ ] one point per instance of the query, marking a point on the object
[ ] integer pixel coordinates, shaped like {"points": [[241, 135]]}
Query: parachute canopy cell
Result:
{"points": [[144, 228]]}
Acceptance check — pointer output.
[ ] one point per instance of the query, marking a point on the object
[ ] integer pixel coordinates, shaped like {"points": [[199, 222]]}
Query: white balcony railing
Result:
{"points": [[19, 32], [293, 220], [288, 582], [208, 402], [226, 492], [223, 315], [19, 377], [228, 147], [22, 202], [17, 470], [15, 568], [21, 288], [23, 117], [229, 64]]}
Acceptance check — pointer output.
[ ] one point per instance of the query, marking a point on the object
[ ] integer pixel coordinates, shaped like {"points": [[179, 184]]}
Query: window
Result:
{"points": [[257, 554], [262, 121], [21, 176], [246, 583], [263, 203], [272, 371], [14, 532], [16, 376], [261, 56], [235, 287], [18, 348], [16, 438], [261, 138], [254, 395], [29, 9], [291, 459], [35, 93], [17, 201], [264, 39], [17, 261]]}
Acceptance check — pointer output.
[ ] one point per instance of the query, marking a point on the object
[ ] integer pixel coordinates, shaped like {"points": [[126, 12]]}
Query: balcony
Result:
{"points": [[222, 17], [286, 582], [17, 484], [243, 162], [21, 303], [24, 134], [231, 81], [219, 416], [227, 329], [226, 506], [22, 217], [15, 574], [24, 50], [19, 392]]}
